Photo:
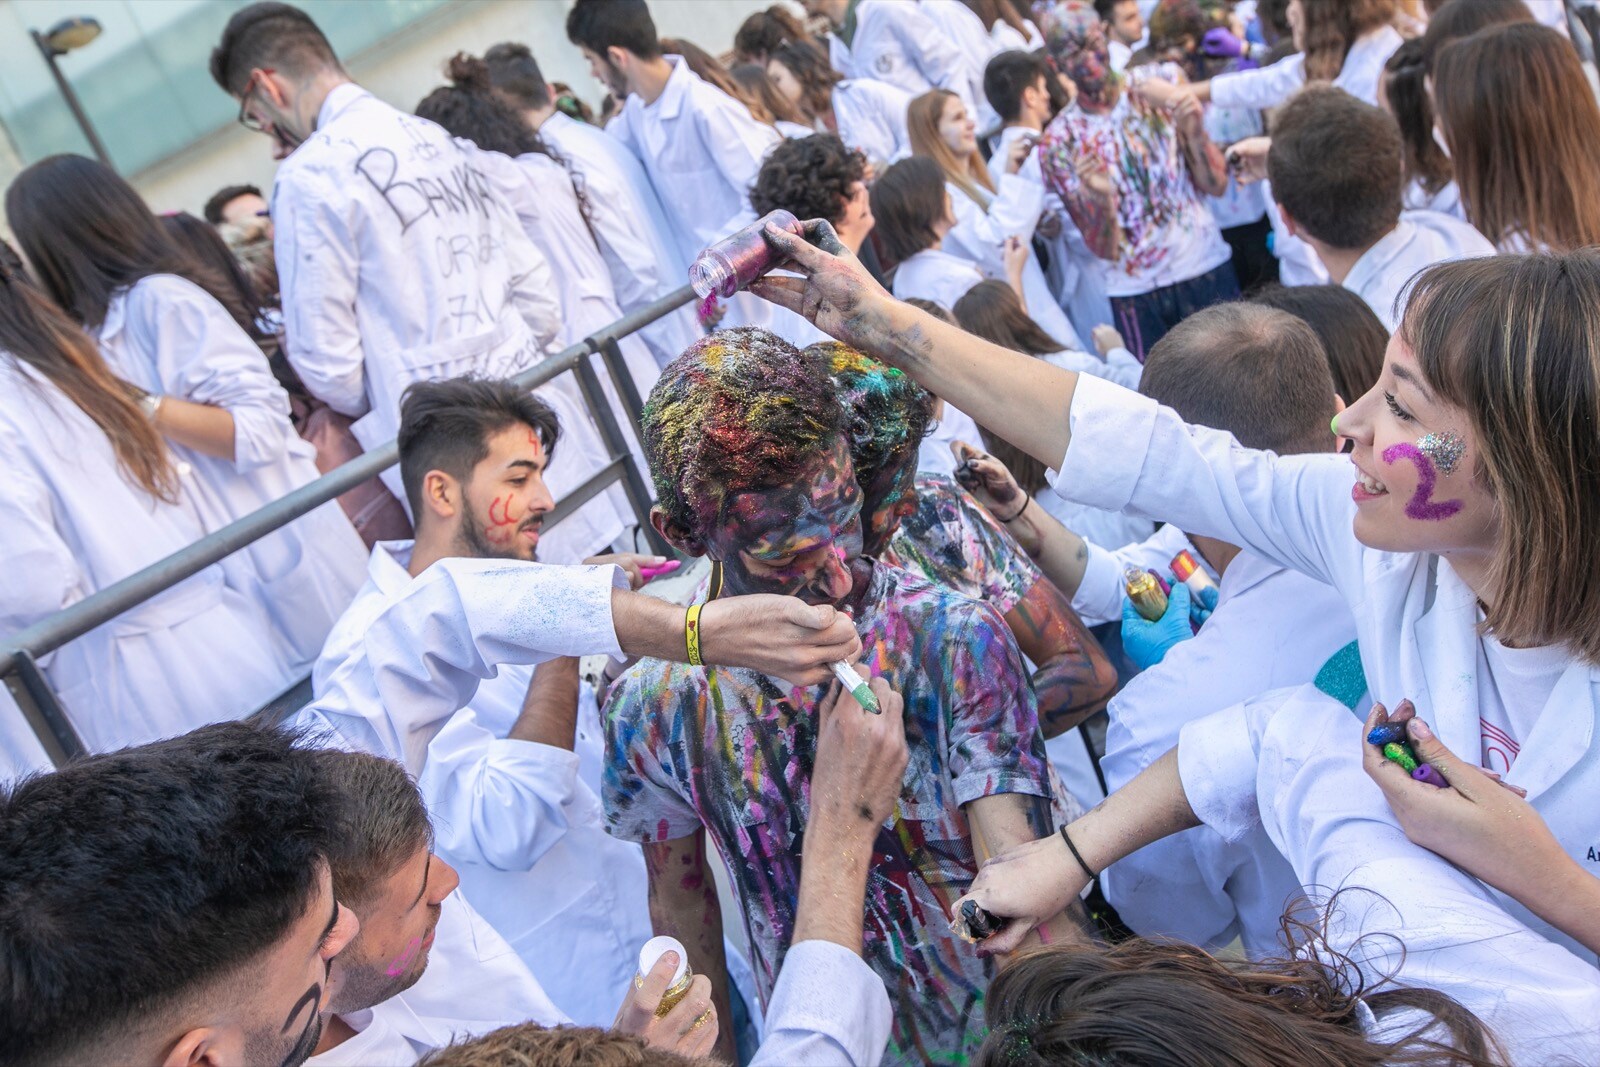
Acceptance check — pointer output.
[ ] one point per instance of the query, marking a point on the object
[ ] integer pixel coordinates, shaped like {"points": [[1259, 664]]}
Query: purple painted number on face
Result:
{"points": [[1422, 505]]}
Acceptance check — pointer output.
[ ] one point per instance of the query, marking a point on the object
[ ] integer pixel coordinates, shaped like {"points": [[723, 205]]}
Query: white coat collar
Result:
{"points": [[339, 98], [679, 85], [1390, 246], [387, 567]]}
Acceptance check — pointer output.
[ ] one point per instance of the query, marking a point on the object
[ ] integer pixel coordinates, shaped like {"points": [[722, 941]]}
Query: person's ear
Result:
{"points": [[1290, 227], [197, 1048], [679, 538], [617, 57], [441, 495]]}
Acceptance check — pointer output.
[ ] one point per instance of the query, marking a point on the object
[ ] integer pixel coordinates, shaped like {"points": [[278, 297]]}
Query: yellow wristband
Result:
{"points": [[691, 634]]}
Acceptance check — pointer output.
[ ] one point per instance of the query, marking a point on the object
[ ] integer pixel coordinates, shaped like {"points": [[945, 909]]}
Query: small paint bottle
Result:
{"points": [[734, 262], [1145, 592], [1191, 574], [652, 951]]}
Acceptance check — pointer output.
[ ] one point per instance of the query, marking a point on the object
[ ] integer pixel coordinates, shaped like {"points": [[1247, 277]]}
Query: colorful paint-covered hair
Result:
{"points": [[739, 410], [886, 413]]}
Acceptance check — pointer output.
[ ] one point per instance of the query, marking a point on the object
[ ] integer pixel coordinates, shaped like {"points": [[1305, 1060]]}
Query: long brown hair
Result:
{"points": [[709, 69], [810, 67], [1515, 341], [991, 310], [36, 333], [758, 89], [1524, 135], [990, 12], [922, 123], [1331, 28], [1142, 1002]]}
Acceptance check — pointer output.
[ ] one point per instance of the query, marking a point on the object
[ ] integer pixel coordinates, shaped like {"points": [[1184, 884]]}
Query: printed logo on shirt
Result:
{"points": [[884, 64], [1499, 749]]}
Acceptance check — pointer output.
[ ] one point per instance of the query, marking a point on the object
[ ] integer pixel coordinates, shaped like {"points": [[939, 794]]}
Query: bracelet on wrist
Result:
{"points": [[1027, 498], [150, 403], [691, 634], [1076, 854]]}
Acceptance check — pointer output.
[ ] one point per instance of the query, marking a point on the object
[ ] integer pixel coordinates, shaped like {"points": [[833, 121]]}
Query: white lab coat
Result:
{"points": [[1272, 628], [72, 524], [397, 265], [1270, 87], [473, 984], [1290, 763], [900, 43], [963, 28], [521, 821], [871, 116], [702, 151], [1007, 39], [1416, 620], [1077, 276], [828, 1009], [1446, 200], [1421, 239], [168, 336], [631, 228], [936, 275], [980, 234]]}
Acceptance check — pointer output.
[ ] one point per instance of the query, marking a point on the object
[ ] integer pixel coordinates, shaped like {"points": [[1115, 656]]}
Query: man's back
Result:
{"points": [[733, 750], [398, 263], [1420, 239]]}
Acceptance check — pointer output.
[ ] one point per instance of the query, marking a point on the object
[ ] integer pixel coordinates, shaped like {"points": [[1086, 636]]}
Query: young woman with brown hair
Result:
{"points": [[868, 115], [92, 494], [1346, 42], [1523, 130], [1464, 548], [988, 215]]}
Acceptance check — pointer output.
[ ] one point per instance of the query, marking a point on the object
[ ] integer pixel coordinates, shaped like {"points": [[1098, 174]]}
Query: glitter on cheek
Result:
{"points": [[1445, 449]]}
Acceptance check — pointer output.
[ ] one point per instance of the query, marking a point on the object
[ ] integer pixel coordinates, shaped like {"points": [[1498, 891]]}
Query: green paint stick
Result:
{"points": [[858, 688]]}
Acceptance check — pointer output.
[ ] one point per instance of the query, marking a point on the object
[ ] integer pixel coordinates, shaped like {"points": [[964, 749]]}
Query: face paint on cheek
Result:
{"points": [[312, 996], [1422, 506], [502, 524], [1444, 449], [401, 963]]}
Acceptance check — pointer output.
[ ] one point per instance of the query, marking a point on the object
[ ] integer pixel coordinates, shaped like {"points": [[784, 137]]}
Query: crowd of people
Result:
{"points": [[1177, 739]]}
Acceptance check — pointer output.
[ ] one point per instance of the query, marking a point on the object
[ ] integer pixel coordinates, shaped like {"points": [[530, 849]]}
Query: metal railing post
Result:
{"points": [[36, 698]]}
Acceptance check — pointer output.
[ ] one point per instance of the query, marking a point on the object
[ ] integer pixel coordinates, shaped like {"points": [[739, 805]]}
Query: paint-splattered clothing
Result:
{"points": [[1168, 232], [952, 541], [733, 750]]}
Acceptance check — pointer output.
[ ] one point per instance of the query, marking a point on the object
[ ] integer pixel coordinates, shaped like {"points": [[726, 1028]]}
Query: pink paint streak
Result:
{"points": [[400, 963], [1422, 505]]}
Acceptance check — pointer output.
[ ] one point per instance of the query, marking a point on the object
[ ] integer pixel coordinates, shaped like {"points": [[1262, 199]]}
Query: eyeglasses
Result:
{"points": [[247, 120]]}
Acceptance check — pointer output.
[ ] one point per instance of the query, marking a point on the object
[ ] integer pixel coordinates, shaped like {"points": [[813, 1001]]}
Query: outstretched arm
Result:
{"points": [[683, 904], [1074, 678]]}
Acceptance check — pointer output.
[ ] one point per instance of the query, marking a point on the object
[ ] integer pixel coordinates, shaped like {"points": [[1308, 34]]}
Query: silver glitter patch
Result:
{"points": [[1445, 449]]}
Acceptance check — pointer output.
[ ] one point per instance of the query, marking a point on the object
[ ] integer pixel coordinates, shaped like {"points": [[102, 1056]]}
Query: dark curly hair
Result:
{"points": [[810, 176]]}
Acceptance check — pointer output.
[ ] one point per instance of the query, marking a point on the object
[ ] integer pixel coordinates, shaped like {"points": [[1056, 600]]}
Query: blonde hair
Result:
{"points": [[1515, 341], [970, 175]]}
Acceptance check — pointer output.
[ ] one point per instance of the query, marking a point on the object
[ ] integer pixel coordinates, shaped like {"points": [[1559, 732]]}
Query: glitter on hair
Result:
{"points": [[739, 410], [886, 413], [1445, 449]]}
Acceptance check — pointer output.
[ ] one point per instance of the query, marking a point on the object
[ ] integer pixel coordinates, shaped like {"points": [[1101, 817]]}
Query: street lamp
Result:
{"points": [[60, 39]]}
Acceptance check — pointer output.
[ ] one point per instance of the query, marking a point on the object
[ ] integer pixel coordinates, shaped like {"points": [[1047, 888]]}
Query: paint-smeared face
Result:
{"points": [[293, 983], [397, 928], [889, 499], [506, 500], [1089, 67], [956, 128], [802, 539], [1414, 456]]}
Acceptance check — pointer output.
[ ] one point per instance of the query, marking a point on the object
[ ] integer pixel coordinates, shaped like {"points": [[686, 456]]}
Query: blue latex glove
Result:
{"points": [[1147, 642], [1220, 44]]}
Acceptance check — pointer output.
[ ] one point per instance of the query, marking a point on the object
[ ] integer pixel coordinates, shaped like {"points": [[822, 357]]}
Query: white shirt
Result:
{"points": [[1272, 628], [961, 26], [1416, 620], [631, 228], [397, 265], [168, 336], [1269, 87], [936, 275], [71, 525], [828, 1009], [1290, 763], [900, 43], [1446, 200], [871, 116], [1119, 55], [522, 821], [702, 151], [1516, 683], [1420, 240], [1007, 39]]}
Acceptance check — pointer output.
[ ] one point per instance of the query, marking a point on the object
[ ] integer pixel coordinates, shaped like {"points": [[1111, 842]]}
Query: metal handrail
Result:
{"points": [[20, 651]]}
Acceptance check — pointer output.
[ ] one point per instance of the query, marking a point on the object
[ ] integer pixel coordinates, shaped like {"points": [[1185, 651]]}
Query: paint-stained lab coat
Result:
{"points": [[397, 264], [702, 151], [1416, 620], [631, 228], [520, 821], [168, 336], [1289, 763], [71, 524], [980, 235]]}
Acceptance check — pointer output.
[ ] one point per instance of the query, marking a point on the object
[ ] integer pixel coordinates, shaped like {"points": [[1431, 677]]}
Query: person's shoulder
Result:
{"points": [[930, 608], [1445, 228], [652, 685]]}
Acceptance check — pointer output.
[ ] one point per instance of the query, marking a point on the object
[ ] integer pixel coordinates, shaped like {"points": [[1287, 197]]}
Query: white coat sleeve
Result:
{"points": [[933, 52], [1014, 212], [1262, 88], [1100, 593], [737, 144], [1129, 454], [421, 660], [42, 574], [203, 355], [319, 267], [828, 1009], [495, 801]]}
